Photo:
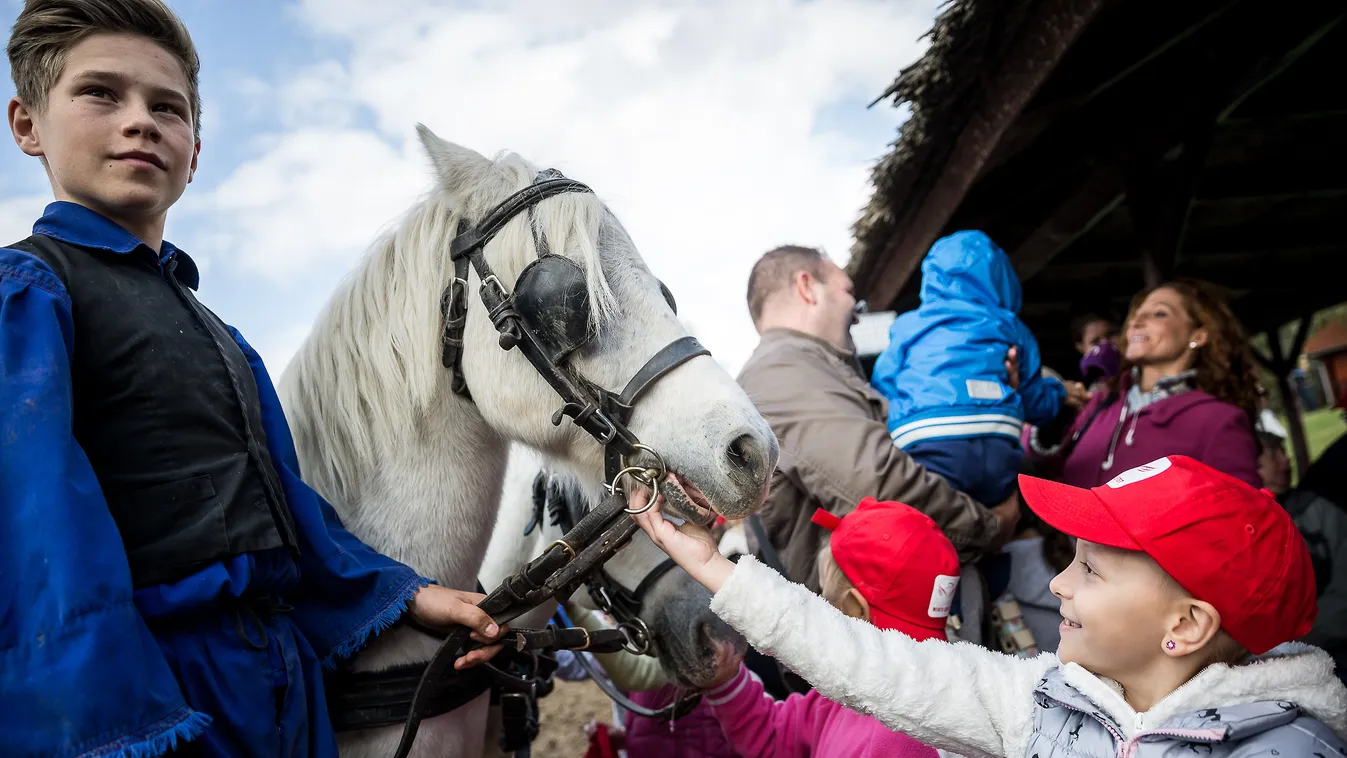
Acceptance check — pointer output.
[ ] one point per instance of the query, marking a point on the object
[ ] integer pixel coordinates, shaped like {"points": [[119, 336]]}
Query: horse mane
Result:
{"points": [[370, 371]]}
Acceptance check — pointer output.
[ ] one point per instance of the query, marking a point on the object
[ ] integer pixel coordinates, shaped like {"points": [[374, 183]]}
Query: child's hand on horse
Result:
{"points": [[692, 547], [437, 606]]}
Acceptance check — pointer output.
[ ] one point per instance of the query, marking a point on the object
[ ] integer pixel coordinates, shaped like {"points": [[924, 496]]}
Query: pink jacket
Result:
{"points": [[696, 735], [802, 725]]}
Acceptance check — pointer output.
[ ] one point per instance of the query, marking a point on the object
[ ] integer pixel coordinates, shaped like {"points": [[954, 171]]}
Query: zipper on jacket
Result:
{"points": [[270, 479], [1129, 748]]}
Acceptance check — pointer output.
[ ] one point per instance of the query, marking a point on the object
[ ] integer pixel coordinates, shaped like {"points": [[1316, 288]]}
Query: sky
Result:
{"points": [[713, 130]]}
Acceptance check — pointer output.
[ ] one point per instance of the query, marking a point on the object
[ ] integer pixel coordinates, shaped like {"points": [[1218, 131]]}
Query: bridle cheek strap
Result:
{"points": [[670, 357]]}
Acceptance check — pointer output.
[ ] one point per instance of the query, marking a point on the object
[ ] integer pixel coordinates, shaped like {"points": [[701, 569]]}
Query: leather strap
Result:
{"points": [[476, 237], [366, 700], [595, 539], [671, 356]]}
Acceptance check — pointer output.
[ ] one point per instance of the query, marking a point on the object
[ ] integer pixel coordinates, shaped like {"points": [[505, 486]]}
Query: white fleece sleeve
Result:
{"points": [[958, 697]]}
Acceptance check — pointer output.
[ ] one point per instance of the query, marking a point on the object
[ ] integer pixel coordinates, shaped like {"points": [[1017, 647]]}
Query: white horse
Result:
{"points": [[415, 470]]}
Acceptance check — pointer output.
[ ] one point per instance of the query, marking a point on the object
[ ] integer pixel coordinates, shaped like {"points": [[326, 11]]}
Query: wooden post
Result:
{"points": [[1281, 364]]}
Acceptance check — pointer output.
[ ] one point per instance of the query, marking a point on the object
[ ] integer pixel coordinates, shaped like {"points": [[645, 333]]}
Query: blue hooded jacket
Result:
{"points": [[944, 369]]}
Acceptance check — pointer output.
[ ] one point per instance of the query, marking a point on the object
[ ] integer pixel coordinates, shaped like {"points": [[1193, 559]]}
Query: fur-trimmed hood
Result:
{"points": [[1292, 673]]}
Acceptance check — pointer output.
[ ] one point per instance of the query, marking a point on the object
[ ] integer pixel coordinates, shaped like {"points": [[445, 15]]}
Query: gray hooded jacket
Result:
{"points": [[1067, 724], [978, 703]]}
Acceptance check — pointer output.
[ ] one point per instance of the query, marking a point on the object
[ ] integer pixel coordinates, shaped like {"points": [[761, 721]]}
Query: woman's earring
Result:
{"points": [[1169, 644], [1192, 345]]}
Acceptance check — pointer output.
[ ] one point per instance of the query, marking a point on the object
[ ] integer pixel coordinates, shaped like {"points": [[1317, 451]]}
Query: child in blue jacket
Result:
{"points": [[951, 406]]}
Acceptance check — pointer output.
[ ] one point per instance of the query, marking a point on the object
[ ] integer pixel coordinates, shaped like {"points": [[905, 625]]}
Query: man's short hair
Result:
{"points": [[776, 270], [47, 30]]}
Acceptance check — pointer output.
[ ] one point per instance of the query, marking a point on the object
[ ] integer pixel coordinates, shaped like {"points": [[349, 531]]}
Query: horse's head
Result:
{"points": [[600, 316]]}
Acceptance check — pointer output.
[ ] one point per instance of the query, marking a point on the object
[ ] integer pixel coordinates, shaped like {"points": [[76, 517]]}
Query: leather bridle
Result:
{"points": [[547, 319], [543, 327], [621, 604]]}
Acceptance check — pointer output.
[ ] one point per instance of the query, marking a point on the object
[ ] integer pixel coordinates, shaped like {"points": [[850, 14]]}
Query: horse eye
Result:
{"points": [[668, 297]]}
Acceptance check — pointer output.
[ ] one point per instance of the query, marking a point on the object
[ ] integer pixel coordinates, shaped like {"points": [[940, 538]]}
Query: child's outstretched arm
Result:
{"points": [[958, 697]]}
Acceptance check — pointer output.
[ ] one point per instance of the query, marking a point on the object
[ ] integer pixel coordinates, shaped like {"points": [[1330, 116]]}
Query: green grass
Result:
{"points": [[1322, 428]]}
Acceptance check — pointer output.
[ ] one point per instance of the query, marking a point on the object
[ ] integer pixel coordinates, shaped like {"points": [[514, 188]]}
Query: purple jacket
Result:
{"points": [[1191, 423], [696, 735]]}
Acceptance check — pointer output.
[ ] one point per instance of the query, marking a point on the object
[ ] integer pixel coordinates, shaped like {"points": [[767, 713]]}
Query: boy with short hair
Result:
{"points": [[167, 577], [1178, 619]]}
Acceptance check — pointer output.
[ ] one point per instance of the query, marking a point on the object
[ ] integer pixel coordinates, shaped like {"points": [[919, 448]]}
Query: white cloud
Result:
{"points": [[278, 347], [696, 122], [17, 215], [316, 198]]}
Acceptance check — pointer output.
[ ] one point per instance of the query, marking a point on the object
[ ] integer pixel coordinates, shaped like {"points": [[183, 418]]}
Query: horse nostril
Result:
{"points": [[747, 454], [707, 637]]}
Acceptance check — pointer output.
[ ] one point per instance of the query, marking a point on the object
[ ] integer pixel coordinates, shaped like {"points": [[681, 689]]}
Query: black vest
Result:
{"points": [[167, 411]]}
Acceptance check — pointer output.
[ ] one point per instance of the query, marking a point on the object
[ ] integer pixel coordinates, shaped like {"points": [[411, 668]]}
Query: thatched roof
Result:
{"points": [[939, 90], [1107, 143]]}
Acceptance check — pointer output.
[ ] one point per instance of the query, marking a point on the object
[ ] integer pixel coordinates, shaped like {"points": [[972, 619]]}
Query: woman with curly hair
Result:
{"points": [[1188, 386]]}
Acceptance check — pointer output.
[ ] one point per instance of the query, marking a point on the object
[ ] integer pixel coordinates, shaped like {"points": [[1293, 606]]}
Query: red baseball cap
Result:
{"points": [[1223, 541], [900, 562]]}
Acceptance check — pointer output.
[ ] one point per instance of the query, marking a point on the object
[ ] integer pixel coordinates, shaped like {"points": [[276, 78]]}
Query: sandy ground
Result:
{"points": [[563, 715]]}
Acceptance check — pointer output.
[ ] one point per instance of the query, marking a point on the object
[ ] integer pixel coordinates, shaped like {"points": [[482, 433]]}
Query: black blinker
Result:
{"points": [[552, 298]]}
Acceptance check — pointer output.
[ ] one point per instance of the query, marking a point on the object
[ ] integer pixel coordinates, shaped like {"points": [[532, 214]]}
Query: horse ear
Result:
{"points": [[457, 166]]}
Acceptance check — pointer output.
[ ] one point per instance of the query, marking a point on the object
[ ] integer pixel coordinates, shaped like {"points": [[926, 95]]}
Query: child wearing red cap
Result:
{"points": [[1178, 616], [885, 563]]}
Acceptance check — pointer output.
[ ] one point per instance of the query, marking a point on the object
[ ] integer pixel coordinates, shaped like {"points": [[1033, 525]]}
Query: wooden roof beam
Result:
{"points": [[1274, 68], [1098, 196]]}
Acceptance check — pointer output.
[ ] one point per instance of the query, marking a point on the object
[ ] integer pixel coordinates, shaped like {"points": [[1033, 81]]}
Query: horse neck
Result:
{"points": [[431, 503]]}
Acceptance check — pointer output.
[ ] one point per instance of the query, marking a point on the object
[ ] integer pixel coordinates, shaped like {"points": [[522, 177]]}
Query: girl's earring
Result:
{"points": [[1169, 644]]}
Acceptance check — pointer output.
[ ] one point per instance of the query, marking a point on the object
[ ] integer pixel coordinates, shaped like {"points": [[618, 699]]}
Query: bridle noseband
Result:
{"points": [[547, 318]]}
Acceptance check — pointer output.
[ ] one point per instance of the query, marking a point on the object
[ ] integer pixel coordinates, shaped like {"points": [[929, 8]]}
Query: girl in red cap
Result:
{"points": [[1178, 615], [885, 563]]}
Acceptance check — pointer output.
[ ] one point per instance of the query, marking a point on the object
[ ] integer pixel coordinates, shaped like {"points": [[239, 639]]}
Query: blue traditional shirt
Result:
{"points": [[90, 667]]}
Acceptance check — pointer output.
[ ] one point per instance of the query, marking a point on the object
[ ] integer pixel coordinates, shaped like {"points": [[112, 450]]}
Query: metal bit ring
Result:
{"points": [[637, 634], [660, 467]]}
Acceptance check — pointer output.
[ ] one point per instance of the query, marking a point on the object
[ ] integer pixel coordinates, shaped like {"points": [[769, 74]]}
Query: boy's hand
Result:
{"points": [[692, 547], [437, 606], [1076, 395], [1013, 367]]}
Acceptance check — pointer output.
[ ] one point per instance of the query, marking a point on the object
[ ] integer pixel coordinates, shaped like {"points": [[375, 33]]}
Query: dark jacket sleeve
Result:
{"points": [[79, 670]]}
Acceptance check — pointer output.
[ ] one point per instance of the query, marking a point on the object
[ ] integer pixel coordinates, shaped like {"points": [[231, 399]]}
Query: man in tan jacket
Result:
{"points": [[835, 449]]}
